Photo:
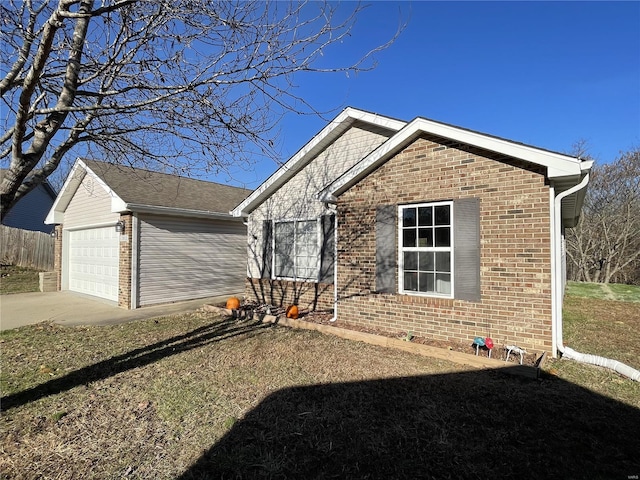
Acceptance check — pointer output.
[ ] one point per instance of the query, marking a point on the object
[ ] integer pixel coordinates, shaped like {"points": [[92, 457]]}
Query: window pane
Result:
{"points": [[306, 230], [426, 250], [442, 215], [284, 231], [425, 216], [296, 249], [306, 259], [443, 261], [426, 282], [306, 273], [426, 262], [283, 239], [411, 281], [284, 265], [411, 260], [443, 283], [443, 237], [409, 237], [425, 237], [409, 217]]}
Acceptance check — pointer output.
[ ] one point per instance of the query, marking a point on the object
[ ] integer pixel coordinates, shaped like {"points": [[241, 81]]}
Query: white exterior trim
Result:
{"points": [[309, 151], [295, 221], [135, 247], [401, 250], [90, 225], [73, 181], [557, 164], [75, 178], [178, 212], [554, 281]]}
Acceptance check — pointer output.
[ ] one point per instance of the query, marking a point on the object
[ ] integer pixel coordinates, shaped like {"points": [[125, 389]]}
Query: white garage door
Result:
{"points": [[182, 259], [93, 262]]}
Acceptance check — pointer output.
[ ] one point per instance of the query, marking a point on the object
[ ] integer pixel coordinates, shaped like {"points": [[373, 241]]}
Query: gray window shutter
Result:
{"points": [[466, 248], [267, 248], [386, 238], [327, 249]]}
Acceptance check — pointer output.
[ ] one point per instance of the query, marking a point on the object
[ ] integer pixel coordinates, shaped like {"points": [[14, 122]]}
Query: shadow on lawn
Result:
{"points": [[462, 425], [139, 357]]}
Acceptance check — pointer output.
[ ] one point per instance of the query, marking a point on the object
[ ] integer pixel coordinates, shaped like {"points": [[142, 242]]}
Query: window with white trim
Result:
{"points": [[296, 248], [426, 253]]}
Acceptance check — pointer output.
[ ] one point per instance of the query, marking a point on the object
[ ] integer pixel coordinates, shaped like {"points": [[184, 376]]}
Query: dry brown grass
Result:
{"points": [[604, 327], [197, 396], [18, 280]]}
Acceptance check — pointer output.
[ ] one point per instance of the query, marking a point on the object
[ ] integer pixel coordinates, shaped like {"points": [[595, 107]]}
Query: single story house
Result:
{"points": [[30, 211], [418, 226], [140, 238]]}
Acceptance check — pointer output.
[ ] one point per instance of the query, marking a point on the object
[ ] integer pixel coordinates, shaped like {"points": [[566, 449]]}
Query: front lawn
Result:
{"points": [[604, 291], [18, 280], [198, 396]]}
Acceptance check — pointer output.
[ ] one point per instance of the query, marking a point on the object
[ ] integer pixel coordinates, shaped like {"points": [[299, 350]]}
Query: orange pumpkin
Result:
{"points": [[292, 311], [233, 303]]}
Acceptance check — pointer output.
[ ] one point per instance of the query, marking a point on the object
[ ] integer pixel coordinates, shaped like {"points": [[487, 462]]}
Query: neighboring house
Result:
{"points": [[140, 238], [30, 211], [441, 231]]}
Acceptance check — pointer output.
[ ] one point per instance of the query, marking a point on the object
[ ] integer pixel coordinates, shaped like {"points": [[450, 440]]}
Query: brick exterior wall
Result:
{"points": [[515, 268], [57, 256], [307, 295], [124, 278]]}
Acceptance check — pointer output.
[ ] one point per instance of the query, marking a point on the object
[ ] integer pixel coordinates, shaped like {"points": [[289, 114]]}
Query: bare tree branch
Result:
{"points": [[175, 85], [605, 245]]}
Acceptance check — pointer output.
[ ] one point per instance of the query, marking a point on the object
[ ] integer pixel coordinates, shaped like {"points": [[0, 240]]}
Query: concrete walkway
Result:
{"points": [[68, 308]]}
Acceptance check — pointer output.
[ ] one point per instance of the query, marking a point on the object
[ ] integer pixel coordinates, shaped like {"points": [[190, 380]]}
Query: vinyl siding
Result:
{"points": [[30, 211], [297, 198], [182, 259], [91, 205]]}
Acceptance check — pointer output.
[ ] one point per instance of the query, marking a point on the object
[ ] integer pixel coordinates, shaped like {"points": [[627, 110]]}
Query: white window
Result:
{"points": [[296, 248], [426, 254]]}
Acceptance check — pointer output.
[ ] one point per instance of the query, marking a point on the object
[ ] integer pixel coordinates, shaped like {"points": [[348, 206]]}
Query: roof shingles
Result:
{"points": [[144, 187]]}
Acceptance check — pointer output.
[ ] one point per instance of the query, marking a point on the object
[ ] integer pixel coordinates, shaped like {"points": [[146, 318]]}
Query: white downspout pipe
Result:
{"points": [[558, 293], [335, 268]]}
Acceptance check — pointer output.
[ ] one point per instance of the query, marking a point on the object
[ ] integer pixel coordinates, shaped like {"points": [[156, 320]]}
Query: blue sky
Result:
{"points": [[544, 73]]}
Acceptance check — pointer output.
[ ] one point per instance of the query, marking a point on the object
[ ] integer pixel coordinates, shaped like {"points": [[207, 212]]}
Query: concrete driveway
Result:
{"points": [[68, 308]]}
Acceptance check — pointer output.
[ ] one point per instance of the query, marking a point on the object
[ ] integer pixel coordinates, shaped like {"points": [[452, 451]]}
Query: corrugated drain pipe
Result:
{"points": [[567, 352]]}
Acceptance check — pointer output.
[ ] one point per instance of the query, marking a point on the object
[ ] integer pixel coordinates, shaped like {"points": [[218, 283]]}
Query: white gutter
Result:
{"points": [[558, 293], [182, 212]]}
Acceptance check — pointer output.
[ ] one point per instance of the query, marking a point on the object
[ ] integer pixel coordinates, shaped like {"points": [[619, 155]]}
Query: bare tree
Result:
{"points": [[176, 85], [605, 245]]}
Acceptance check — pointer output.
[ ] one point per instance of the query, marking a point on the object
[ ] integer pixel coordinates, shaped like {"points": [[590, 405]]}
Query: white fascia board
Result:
{"points": [[307, 153], [586, 165], [558, 165], [71, 184], [178, 212]]}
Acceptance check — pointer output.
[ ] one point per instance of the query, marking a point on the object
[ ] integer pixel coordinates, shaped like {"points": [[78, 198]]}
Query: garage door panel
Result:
{"points": [[93, 262], [181, 259]]}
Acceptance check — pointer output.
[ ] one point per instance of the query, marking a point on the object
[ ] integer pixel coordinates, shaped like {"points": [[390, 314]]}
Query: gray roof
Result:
{"points": [[144, 187]]}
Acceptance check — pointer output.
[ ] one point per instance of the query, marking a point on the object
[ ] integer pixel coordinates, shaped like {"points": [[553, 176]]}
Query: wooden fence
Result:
{"points": [[25, 248]]}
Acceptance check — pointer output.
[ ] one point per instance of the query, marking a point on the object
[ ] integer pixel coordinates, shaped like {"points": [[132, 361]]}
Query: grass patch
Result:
{"points": [[602, 291], [198, 396], [18, 280], [603, 327]]}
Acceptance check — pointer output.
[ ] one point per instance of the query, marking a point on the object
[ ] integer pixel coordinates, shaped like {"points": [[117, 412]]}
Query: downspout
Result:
{"points": [[558, 294], [335, 268]]}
